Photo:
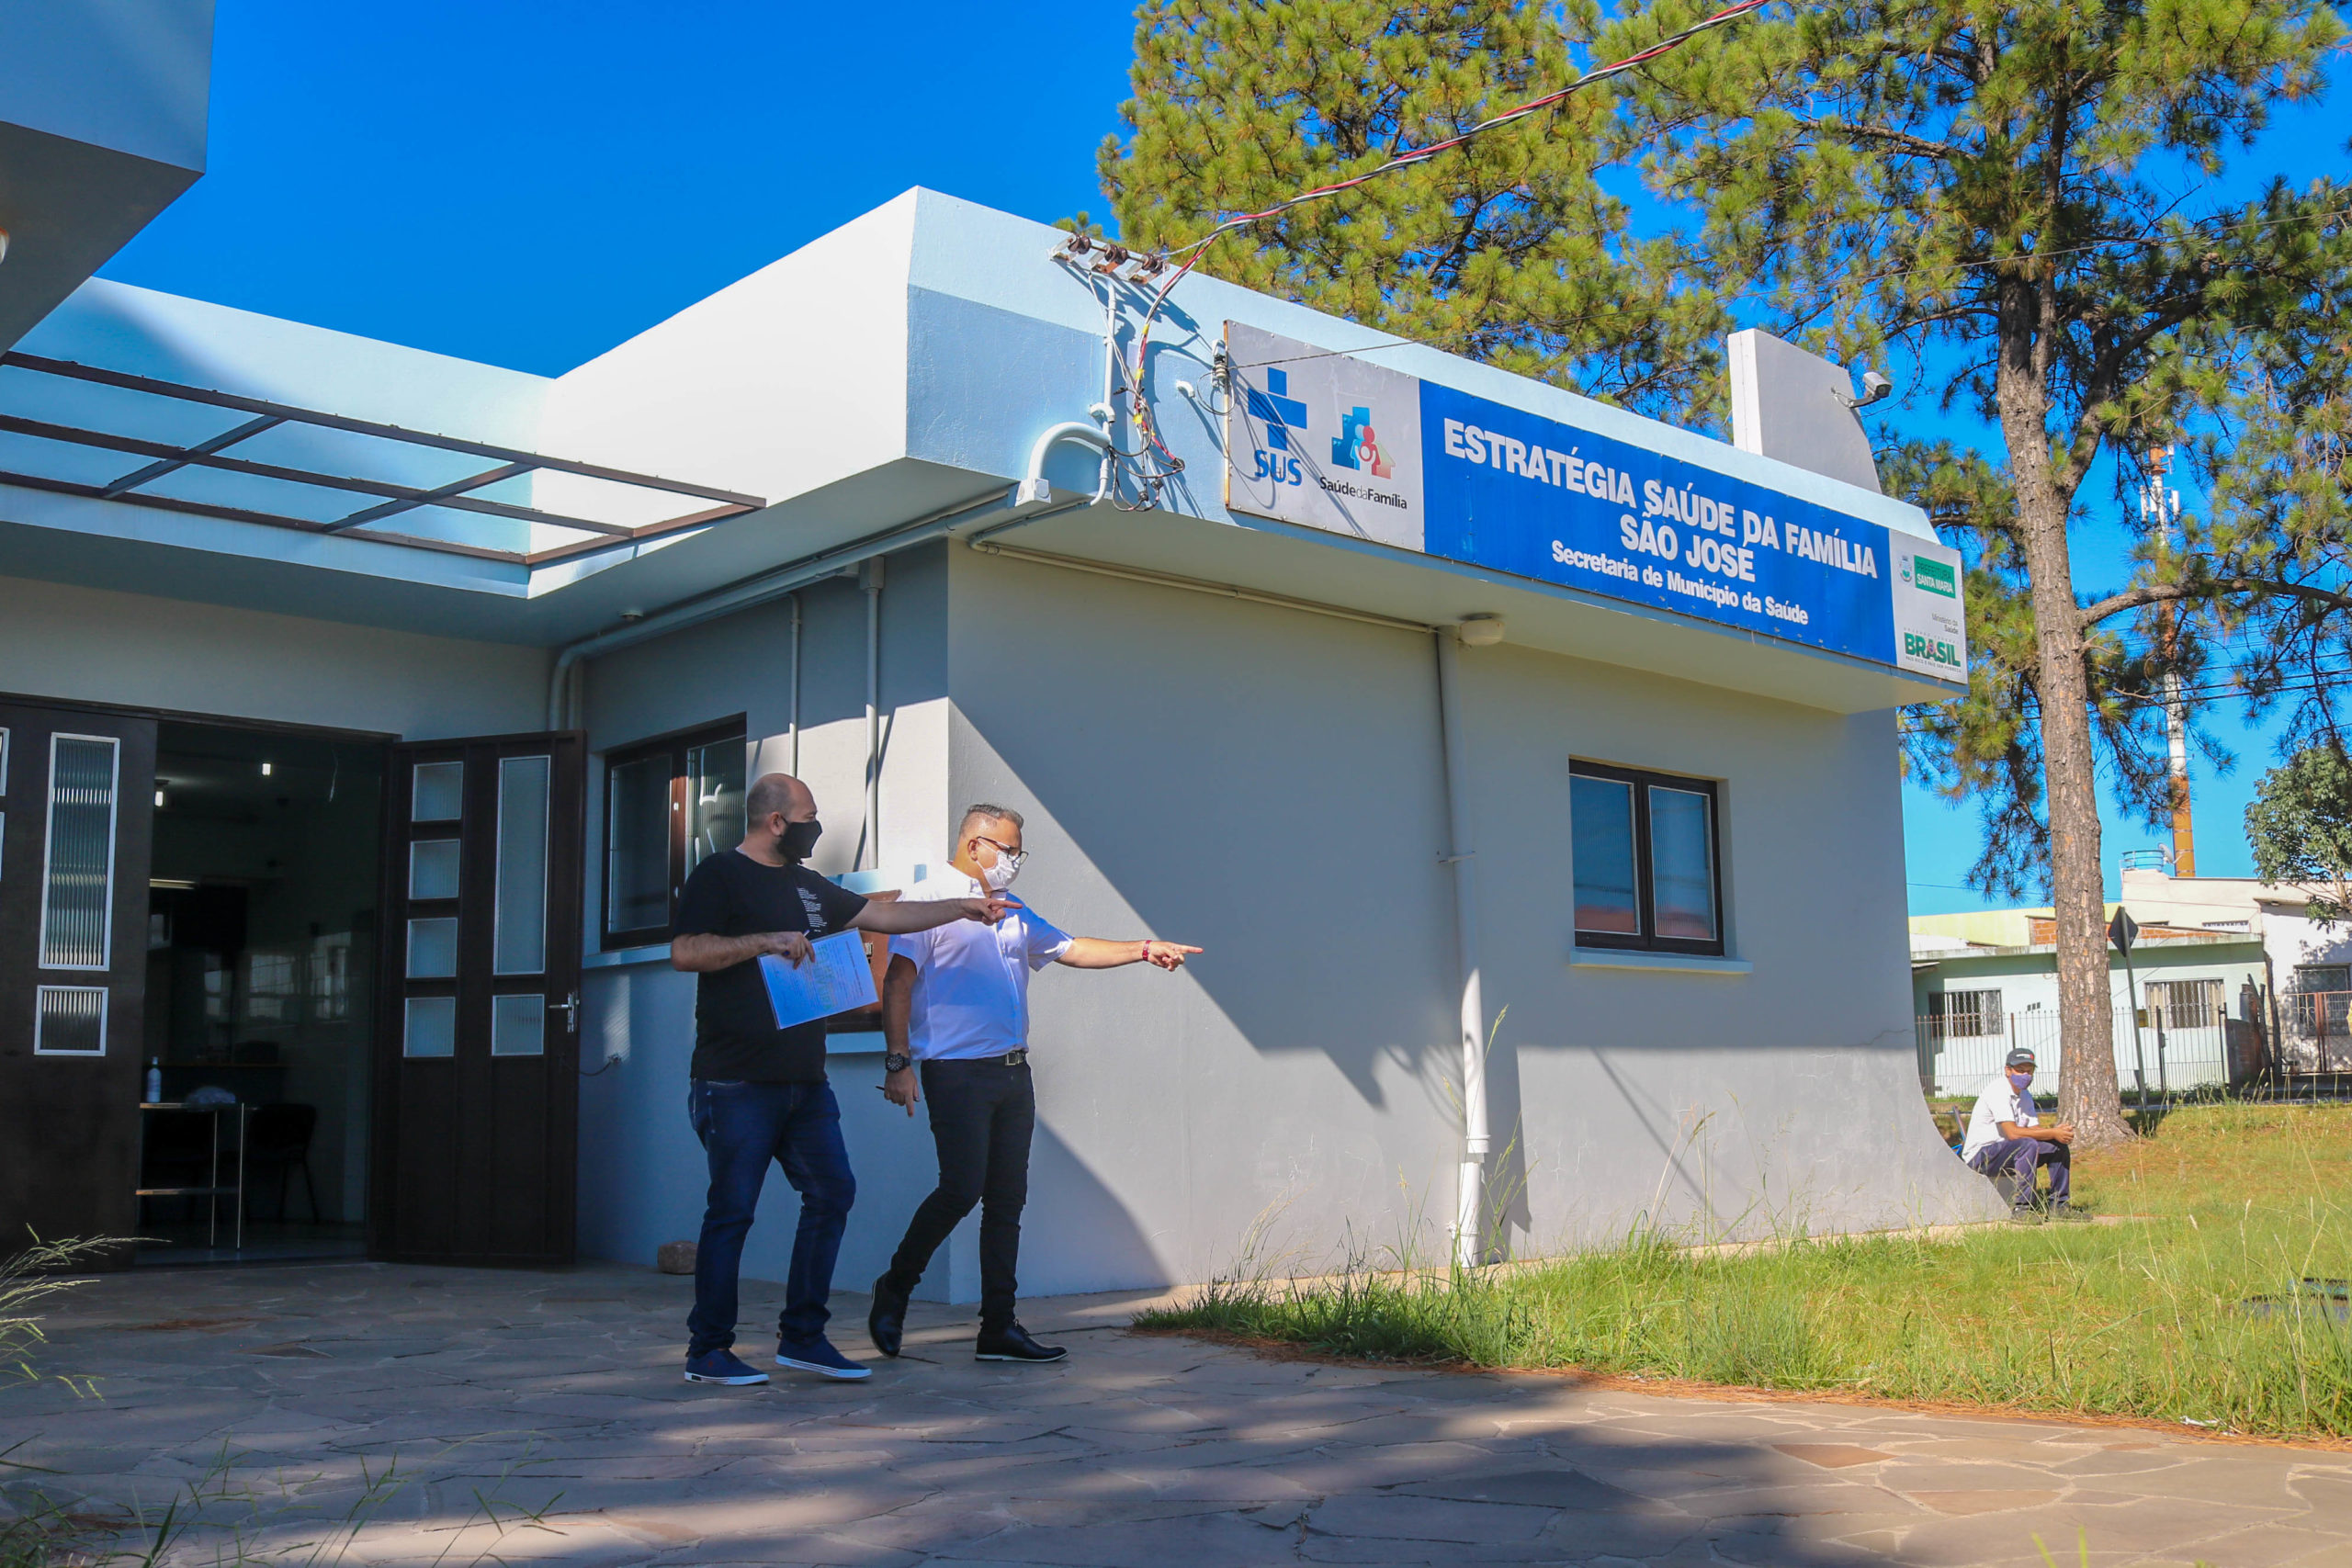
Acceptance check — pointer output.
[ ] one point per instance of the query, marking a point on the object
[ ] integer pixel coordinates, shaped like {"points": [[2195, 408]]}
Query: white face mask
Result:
{"points": [[999, 877]]}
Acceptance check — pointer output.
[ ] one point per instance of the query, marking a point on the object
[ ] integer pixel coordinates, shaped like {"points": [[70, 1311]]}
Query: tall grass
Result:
{"points": [[2145, 1319], [35, 1531]]}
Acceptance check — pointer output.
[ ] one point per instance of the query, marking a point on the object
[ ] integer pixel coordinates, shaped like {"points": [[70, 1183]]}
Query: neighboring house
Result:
{"points": [[1527, 769], [2211, 948], [2198, 1006]]}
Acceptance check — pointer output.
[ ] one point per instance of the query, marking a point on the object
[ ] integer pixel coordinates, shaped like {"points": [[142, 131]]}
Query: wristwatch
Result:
{"points": [[895, 1062]]}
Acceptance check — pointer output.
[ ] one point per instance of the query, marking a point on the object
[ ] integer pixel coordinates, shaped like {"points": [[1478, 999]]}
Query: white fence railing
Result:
{"points": [[1959, 1053]]}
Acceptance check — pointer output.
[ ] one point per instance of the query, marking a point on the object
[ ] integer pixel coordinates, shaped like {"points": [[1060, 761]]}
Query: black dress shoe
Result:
{"points": [[1013, 1343], [886, 1324]]}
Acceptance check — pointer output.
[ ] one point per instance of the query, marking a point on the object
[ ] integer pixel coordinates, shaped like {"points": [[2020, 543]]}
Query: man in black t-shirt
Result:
{"points": [[757, 1092]]}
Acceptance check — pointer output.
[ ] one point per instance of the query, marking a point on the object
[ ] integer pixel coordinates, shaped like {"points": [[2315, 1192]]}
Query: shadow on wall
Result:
{"points": [[642, 1176], [1281, 803]]}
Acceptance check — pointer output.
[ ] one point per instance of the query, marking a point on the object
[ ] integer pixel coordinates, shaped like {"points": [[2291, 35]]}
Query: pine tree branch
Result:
{"points": [[2175, 593], [1943, 151]]}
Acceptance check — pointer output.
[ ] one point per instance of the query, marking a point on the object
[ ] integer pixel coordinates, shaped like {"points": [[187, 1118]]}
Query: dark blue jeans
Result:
{"points": [[2021, 1158], [742, 1126]]}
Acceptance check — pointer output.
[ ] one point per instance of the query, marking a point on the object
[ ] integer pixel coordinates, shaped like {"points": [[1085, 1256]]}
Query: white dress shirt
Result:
{"points": [[971, 996], [2001, 1102]]}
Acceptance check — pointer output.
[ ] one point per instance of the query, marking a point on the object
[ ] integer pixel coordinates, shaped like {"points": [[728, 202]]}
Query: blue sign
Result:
{"points": [[1523, 494], [1423, 466]]}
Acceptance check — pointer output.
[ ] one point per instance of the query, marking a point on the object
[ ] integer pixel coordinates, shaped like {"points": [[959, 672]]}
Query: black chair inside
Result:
{"points": [[277, 1140]]}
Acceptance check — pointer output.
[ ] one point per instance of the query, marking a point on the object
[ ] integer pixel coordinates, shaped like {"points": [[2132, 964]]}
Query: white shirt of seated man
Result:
{"points": [[2001, 1102]]}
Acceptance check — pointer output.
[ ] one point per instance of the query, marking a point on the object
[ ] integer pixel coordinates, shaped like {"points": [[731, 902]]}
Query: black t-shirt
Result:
{"points": [[735, 1034]]}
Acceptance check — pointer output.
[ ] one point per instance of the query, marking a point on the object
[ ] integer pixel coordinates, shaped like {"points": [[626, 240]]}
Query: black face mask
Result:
{"points": [[799, 839]]}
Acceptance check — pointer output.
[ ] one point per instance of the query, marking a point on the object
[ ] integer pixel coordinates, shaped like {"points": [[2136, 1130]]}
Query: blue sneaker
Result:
{"points": [[818, 1356], [722, 1366]]}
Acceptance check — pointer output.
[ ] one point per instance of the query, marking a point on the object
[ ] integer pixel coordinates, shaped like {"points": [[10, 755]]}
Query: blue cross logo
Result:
{"points": [[1280, 413]]}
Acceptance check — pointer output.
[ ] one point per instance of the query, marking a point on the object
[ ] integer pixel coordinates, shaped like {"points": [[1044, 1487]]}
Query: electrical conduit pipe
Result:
{"points": [[760, 588]]}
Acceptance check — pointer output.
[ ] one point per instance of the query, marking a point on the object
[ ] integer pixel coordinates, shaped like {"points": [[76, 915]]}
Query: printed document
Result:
{"points": [[836, 979]]}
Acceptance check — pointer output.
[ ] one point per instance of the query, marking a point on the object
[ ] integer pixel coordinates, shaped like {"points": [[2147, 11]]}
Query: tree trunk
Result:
{"points": [[2087, 1093]]}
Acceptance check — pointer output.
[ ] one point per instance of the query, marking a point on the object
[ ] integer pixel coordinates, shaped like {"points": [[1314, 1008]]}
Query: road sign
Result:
{"points": [[2122, 930]]}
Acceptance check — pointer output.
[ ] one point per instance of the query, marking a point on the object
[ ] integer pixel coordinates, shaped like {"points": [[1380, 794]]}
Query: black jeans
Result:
{"points": [[981, 1116]]}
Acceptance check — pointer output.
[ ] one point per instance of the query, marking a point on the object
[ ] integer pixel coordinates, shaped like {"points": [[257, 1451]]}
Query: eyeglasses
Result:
{"points": [[1014, 858]]}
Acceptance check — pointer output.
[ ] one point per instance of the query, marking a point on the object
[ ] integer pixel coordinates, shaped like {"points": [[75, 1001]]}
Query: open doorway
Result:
{"points": [[260, 1002]]}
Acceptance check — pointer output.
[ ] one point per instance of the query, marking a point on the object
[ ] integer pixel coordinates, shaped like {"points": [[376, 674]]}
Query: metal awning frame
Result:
{"points": [[167, 458]]}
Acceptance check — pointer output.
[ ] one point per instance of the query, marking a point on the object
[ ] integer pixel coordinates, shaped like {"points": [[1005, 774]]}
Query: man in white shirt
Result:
{"points": [[2006, 1138], [959, 1007]]}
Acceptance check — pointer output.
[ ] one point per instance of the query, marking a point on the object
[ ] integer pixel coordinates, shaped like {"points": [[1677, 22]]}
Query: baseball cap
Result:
{"points": [[2020, 1057]]}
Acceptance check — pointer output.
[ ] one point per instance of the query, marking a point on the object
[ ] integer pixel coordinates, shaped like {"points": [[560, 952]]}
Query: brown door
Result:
{"points": [[75, 815], [477, 1103]]}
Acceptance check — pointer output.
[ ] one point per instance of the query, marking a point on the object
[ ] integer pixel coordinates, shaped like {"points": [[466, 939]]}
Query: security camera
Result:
{"points": [[1875, 389]]}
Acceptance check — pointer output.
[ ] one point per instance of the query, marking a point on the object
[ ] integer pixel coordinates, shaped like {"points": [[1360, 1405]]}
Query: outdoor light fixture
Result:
{"points": [[1482, 629], [159, 793], [264, 770]]}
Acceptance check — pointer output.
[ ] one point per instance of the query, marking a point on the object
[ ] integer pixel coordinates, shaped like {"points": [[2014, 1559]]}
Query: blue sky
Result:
{"points": [[528, 183]]}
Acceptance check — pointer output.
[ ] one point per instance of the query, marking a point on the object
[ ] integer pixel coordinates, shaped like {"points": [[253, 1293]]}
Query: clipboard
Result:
{"points": [[838, 977]]}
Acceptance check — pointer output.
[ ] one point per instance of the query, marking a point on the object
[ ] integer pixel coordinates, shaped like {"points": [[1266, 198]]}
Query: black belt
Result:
{"points": [[1009, 1059]]}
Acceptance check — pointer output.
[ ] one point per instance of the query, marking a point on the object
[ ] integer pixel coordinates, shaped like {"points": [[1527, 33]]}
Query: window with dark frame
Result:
{"points": [[1965, 1014], [1647, 868], [668, 804]]}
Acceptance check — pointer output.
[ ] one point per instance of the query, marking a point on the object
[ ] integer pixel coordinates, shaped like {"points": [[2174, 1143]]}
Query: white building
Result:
{"points": [[2235, 980], [390, 695]]}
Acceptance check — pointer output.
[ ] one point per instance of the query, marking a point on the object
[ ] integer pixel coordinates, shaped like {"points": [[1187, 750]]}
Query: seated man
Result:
{"points": [[2006, 1138]]}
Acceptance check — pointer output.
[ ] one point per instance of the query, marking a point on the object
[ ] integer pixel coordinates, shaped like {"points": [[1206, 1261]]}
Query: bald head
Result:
{"points": [[777, 792]]}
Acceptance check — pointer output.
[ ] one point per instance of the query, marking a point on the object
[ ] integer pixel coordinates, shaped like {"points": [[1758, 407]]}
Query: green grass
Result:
{"points": [[2142, 1319]]}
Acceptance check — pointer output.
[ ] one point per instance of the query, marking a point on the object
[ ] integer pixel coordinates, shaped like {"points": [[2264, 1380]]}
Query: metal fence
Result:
{"points": [[1959, 1052]]}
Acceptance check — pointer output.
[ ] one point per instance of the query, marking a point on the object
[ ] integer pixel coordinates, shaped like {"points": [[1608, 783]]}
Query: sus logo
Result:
{"points": [[1280, 413]]}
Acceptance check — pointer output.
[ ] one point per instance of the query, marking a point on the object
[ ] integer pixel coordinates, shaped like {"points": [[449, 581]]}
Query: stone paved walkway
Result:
{"points": [[275, 1394]]}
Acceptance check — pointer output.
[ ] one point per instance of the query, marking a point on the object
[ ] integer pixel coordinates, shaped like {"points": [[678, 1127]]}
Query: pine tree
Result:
{"points": [[1965, 181], [1508, 251], [1989, 182]]}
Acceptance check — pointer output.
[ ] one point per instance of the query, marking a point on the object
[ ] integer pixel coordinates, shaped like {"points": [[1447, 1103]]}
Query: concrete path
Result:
{"points": [[365, 1412]]}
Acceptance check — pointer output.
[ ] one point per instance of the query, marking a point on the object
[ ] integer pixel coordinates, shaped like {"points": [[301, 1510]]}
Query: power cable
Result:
{"points": [[1192, 252]]}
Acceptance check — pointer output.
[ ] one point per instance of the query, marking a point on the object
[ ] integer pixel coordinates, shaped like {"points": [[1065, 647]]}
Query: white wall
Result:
{"points": [[91, 644], [1266, 784], [641, 1173]]}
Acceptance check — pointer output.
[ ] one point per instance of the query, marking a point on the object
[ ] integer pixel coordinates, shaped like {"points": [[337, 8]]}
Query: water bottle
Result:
{"points": [[154, 1079]]}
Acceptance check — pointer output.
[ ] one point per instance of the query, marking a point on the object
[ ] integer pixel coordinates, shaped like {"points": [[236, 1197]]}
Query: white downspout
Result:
{"points": [[870, 579], [793, 723], [1469, 1216]]}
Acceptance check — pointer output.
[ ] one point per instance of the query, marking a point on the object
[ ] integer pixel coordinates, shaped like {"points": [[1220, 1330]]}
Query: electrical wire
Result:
{"points": [[1739, 12], [1192, 252]]}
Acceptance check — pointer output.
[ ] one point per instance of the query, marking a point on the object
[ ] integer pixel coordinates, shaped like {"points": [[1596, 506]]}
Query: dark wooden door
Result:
{"points": [[477, 1055], [76, 814]]}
